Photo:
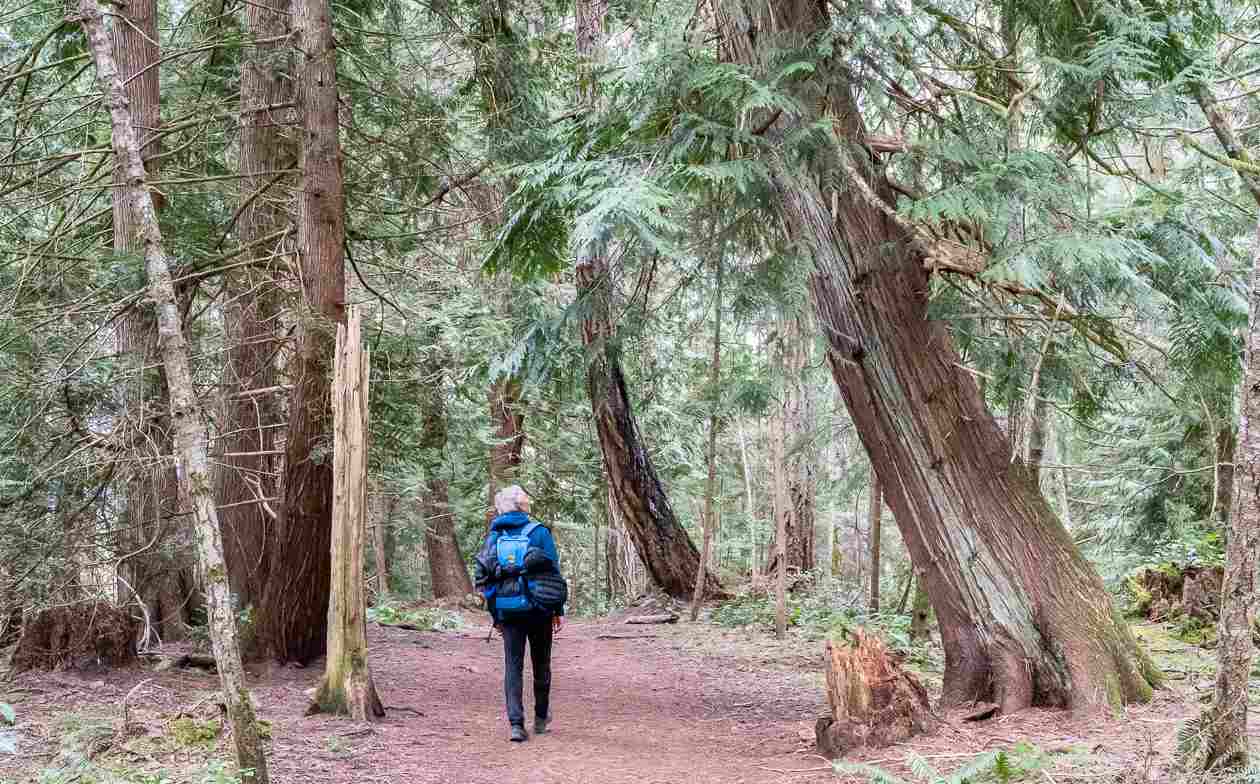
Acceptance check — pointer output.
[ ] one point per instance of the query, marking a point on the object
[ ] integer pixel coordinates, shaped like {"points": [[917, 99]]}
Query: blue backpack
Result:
{"points": [[512, 596]]}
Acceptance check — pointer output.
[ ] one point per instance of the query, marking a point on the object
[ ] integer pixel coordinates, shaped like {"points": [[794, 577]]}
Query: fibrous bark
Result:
{"points": [[244, 481], [1025, 620], [347, 687], [295, 605], [187, 416], [873, 701], [447, 569], [667, 552], [798, 466]]}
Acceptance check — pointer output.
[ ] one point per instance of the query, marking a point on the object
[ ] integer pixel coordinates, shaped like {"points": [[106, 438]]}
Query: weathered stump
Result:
{"points": [[874, 702], [1201, 592], [74, 636]]}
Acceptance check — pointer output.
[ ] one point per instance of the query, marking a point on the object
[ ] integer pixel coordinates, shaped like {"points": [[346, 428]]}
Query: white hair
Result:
{"points": [[509, 499]]}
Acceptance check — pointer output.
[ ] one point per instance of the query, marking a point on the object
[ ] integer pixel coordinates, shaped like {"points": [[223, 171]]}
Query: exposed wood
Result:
{"points": [[187, 417], [873, 701], [347, 686], [648, 620]]}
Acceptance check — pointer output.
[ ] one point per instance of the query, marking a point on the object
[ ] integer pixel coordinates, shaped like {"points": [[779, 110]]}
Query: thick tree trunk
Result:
{"points": [[244, 482], [873, 531], [1025, 620], [920, 613], [667, 552], [710, 485], [347, 687], [295, 605], [186, 413], [152, 500], [508, 421], [447, 570]]}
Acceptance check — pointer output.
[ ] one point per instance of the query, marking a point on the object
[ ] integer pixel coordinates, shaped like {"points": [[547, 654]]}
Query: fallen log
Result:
{"points": [[873, 701], [670, 617]]}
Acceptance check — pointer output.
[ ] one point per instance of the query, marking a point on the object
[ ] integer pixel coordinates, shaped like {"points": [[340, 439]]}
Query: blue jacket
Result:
{"points": [[540, 537]]}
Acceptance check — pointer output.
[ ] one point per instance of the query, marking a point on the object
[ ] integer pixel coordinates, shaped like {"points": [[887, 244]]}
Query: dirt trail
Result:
{"points": [[625, 710]]}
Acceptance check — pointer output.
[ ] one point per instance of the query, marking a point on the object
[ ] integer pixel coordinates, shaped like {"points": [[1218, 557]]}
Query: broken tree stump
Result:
{"points": [[873, 701]]}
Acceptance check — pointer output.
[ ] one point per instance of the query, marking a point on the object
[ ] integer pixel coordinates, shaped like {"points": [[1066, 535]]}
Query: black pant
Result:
{"points": [[538, 631]]}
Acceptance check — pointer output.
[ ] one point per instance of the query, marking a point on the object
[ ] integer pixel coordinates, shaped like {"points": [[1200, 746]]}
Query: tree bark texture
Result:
{"points": [[920, 613], [1222, 740], [154, 570], [799, 464], [710, 485], [876, 518], [296, 596], [244, 482], [1025, 620], [447, 569], [347, 687], [188, 419], [667, 552]]}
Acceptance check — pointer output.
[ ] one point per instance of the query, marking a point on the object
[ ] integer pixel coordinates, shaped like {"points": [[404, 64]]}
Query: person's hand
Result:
{"points": [[557, 623]]}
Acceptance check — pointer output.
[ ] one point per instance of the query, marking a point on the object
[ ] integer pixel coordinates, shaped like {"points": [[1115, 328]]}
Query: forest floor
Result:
{"points": [[681, 704]]}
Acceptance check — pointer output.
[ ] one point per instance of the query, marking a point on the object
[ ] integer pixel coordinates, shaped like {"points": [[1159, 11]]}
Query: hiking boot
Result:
{"points": [[540, 725], [519, 735]]}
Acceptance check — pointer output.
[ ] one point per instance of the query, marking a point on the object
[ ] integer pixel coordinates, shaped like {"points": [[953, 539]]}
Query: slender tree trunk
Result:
{"points": [[876, 518], [667, 552], [508, 420], [710, 486], [1225, 447], [1223, 740], [186, 412], [295, 605], [799, 464], [347, 687], [780, 534], [920, 613], [447, 570], [1025, 620], [381, 559], [244, 483]]}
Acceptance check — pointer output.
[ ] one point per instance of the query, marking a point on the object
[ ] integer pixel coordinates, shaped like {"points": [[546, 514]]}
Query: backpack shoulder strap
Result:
{"points": [[529, 529]]}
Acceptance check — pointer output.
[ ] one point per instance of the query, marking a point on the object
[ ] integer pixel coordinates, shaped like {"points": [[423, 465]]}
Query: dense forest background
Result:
{"points": [[553, 227]]}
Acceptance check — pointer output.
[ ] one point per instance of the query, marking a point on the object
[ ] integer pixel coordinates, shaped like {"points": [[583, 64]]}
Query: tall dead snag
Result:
{"points": [[1222, 737], [669, 554], [244, 482], [294, 610], [347, 687], [187, 417], [1025, 620], [873, 701]]}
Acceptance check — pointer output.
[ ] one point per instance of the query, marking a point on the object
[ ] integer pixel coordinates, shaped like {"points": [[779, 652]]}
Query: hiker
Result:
{"points": [[518, 572]]}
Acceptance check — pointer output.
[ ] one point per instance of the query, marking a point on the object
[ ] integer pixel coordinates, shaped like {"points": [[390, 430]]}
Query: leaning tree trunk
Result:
{"points": [[295, 601], [347, 687], [188, 419], [447, 570], [667, 552], [1025, 620], [244, 483]]}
